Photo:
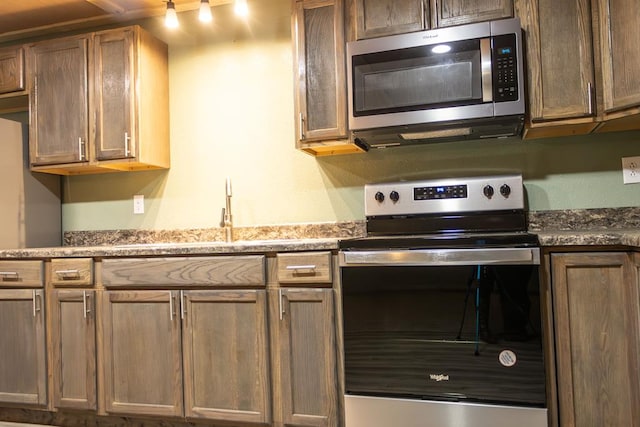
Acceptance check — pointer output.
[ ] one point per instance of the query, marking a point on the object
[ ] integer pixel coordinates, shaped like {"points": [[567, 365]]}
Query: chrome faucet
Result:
{"points": [[227, 219]]}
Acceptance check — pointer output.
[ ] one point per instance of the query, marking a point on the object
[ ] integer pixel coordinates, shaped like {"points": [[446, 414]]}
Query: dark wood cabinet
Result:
{"points": [[596, 303], [376, 18], [23, 376], [320, 77], [12, 70], [59, 103], [307, 350], [225, 355], [141, 353], [583, 66], [73, 348], [99, 102]]}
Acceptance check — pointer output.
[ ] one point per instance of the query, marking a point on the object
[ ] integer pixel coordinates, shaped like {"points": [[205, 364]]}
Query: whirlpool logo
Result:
{"points": [[439, 377]]}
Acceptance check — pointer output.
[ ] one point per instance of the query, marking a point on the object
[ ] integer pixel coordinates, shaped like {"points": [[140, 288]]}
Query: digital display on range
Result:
{"points": [[440, 192]]}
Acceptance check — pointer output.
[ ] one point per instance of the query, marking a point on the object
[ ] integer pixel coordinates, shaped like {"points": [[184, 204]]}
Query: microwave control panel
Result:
{"points": [[505, 68]]}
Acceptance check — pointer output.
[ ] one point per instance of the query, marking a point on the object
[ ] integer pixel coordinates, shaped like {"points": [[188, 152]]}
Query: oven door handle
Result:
{"points": [[440, 257]]}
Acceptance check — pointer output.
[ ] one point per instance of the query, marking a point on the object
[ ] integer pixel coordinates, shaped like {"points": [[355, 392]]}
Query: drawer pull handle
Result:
{"points": [[9, 275], [36, 306], [171, 297], [68, 274], [85, 303], [309, 269], [183, 305], [280, 304]]}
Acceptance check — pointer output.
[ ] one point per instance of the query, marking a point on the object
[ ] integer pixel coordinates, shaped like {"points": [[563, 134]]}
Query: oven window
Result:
{"points": [[417, 78], [463, 333]]}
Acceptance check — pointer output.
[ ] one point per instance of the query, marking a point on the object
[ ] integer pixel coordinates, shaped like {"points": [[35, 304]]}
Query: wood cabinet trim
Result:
{"points": [[21, 274], [216, 271], [305, 268], [72, 272]]}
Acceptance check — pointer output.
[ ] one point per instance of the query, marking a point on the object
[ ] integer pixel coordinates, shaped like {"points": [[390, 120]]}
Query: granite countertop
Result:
{"points": [[175, 248], [614, 227]]}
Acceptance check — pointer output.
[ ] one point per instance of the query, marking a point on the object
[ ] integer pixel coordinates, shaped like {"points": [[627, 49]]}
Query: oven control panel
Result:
{"points": [[452, 195], [440, 192]]}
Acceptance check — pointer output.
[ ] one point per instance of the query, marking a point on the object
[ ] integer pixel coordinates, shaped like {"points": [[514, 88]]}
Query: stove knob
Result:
{"points": [[394, 196], [505, 190], [379, 197], [488, 191]]}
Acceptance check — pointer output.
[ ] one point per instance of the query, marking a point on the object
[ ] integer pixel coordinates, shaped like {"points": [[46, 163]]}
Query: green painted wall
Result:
{"points": [[231, 89]]}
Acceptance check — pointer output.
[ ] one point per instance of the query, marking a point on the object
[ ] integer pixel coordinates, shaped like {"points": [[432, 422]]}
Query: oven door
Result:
{"points": [[436, 337]]}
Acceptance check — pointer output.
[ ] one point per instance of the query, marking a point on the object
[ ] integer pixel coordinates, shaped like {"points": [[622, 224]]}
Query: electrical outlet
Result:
{"points": [[138, 204], [631, 170]]}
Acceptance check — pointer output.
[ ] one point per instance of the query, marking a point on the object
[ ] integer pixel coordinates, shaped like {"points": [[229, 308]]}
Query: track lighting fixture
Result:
{"points": [[204, 14], [241, 8], [171, 18]]}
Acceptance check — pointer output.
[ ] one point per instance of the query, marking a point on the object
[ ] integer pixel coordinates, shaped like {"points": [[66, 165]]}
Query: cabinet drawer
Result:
{"points": [[11, 70], [305, 268], [219, 271], [72, 271], [21, 274]]}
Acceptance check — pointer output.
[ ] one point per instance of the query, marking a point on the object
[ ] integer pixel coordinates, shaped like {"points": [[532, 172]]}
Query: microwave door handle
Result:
{"points": [[487, 69]]}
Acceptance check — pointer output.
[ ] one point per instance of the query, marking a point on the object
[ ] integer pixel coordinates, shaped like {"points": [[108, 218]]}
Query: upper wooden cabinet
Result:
{"points": [[583, 60], [376, 18], [12, 70], [619, 39], [320, 77], [99, 103]]}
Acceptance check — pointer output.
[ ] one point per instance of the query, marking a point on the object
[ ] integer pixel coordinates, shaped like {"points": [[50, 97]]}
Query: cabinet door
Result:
{"points": [[320, 70], [141, 353], [22, 340], [597, 340], [620, 50], [114, 86], [11, 69], [59, 126], [307, 351], [375, 18], [225, 355], [457, 12], [73, 332], [559, 59]]}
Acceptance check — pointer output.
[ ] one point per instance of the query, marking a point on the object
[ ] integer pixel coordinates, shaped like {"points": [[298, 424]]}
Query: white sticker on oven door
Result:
{"points": [[507, 358]]}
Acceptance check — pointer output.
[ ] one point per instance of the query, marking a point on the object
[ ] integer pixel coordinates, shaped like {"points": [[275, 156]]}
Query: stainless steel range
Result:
{"points": [[441, 308]]}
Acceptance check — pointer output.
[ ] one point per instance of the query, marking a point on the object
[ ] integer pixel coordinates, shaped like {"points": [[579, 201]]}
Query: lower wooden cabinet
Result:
{"points": [[73, 348], [23, 377], [596, 302], [225, 354], [141, 353], [307, 357], [218, 338]]}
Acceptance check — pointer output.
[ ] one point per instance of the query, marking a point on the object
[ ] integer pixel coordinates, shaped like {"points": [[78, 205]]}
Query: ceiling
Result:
{"points": [[21, 19]]}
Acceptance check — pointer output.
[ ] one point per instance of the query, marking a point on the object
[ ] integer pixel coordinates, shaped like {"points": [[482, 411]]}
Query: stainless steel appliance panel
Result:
{"points": [[365, 411]]}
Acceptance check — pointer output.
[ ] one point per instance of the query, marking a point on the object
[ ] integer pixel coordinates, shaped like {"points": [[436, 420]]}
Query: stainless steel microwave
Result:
{"points": [[464, 82]]}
